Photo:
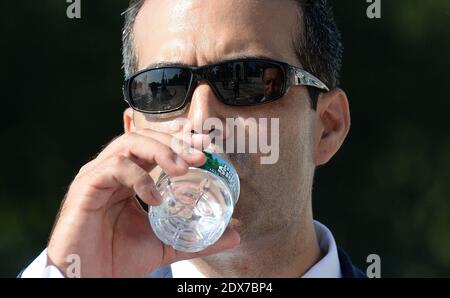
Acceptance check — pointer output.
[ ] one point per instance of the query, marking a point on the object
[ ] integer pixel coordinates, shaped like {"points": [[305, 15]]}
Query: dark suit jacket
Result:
{"points": [[347, 268]]}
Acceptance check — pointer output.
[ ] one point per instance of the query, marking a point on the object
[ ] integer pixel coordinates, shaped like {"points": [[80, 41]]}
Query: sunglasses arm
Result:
{"points": [[299, 76]]}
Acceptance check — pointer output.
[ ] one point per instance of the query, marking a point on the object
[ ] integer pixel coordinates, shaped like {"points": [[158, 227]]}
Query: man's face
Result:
{"points": [[200, 32], [272, 80]]}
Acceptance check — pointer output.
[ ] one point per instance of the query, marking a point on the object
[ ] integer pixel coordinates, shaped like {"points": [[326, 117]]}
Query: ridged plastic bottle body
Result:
{"points": [[197, 207]]}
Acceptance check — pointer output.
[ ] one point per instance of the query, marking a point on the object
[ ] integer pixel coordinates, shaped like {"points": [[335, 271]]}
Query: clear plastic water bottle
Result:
{"points": [[196, 207]]}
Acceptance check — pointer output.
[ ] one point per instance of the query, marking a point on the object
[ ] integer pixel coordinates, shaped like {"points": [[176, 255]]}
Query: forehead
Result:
{"points": [[199, 32]]}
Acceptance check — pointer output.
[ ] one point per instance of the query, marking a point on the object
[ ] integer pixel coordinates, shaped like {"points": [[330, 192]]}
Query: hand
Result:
{"points": [[101, 219]]}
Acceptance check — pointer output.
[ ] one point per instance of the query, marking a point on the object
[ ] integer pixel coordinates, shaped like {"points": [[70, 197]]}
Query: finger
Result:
{"points": [[96, 187], [147, 153], [180, 144]]}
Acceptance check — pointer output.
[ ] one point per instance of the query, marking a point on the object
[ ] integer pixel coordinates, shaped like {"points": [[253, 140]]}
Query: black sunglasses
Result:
{"points": [[240, 82]]}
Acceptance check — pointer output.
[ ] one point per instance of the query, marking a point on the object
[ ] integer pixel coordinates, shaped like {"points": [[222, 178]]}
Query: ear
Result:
{"points": [[332, 124], [128, 123]]}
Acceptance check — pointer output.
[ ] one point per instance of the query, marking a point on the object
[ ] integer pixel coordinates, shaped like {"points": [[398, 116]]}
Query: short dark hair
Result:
{"points": [[318, 45]]}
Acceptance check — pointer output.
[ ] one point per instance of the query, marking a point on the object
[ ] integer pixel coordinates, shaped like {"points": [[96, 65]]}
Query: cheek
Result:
{"points": [[296, 118], [291, 112]]}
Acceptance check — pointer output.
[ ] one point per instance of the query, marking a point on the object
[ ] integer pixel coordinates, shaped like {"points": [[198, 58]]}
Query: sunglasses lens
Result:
{"points": [[248, 82], [160, 90]]}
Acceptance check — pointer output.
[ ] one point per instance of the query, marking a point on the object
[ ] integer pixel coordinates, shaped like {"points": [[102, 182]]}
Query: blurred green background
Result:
{"points": [[385, 192]]}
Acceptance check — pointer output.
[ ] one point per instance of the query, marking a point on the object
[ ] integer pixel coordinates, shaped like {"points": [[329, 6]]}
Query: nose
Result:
{"points": [[205, 114]]}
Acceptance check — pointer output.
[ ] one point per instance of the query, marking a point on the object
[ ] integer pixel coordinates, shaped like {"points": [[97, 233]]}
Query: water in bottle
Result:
{"points": [[196, 207]]}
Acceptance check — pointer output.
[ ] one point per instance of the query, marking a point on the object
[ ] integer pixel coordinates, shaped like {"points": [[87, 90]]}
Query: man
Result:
{"points": [[273, 82], [272, 233]]}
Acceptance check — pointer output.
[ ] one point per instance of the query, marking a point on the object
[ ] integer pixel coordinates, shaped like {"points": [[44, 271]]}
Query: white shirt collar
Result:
{"points": [[327, 267]]}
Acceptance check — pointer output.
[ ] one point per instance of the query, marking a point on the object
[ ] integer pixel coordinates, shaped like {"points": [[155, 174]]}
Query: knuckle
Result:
{"points": [[177, 144], [128, 135], [161, 147], [144, 131], [83, 169], [165, 152], [112, 143], [118, 160]]}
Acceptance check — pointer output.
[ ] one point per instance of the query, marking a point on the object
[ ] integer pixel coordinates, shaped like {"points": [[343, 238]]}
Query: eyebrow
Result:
{"points": [[225, 59]]}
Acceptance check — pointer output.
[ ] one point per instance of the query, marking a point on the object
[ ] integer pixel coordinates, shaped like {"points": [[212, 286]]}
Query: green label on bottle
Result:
{"points": [[223, 169]]}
